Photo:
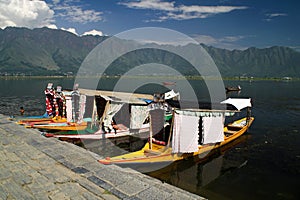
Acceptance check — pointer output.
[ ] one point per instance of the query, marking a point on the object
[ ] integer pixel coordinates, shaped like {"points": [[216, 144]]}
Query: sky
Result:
{"points": [[229, 24]]}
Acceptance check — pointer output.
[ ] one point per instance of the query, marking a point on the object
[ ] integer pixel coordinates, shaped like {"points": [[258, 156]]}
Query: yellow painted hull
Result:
{"points": [[159, 153], [41, 121], [25, 121], [67, 127]]}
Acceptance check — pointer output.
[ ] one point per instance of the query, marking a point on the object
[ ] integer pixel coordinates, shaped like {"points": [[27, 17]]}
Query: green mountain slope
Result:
{"points": [[43, 51], [269, 62], [46, 51]]}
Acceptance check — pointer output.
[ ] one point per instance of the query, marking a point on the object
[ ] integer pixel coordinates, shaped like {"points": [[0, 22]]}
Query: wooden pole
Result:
{"points": [[150, 138]]}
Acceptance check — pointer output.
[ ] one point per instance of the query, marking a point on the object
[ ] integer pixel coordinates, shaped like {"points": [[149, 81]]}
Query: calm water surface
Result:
{"points": [[263, 164]]}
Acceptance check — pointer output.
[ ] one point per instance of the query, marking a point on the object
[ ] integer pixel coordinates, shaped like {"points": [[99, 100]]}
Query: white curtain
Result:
{"points": [[82, 102], [185, 134], [112, 110], [138, 116], [213, 129], [69, 108]]}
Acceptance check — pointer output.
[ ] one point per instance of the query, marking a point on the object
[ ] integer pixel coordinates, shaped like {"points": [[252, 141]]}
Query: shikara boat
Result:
{"points": [[127, 111], [33, 120], [186, 139], [26, 119], [64, 126], [53, 120], [231, 89], [92, 134], [169, 83]]}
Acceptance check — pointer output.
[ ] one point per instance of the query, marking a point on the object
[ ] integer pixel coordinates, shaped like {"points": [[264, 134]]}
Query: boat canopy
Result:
{"points": [[238, 103], [200, 105], [171, 94], [205, 113], [131, 98]]}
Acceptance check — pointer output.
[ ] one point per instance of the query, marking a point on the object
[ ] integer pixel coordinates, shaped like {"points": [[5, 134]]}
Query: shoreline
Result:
{"points": [[156, 76]]}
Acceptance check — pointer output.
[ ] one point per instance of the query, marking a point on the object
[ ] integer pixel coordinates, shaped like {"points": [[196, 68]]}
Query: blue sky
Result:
{"points": [[230, 24]]}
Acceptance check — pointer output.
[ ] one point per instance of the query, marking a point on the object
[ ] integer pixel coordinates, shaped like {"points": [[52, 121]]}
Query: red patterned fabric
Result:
{"points": [[49, 101]]}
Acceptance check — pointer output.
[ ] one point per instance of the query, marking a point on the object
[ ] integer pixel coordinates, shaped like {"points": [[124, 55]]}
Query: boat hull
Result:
{"points": [[61, 126], [163, 154], [98, 135], [33, 120]]}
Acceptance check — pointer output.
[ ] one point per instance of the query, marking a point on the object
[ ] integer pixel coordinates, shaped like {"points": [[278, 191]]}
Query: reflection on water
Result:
{"points": [[264, 166]]}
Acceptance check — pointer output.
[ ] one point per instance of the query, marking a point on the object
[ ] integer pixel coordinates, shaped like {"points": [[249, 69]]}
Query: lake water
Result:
{"points": [[263, 164]]}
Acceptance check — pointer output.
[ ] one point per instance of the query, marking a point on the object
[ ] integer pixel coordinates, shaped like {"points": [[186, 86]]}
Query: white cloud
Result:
{"points": [[93, 32], [210, 9], [74, 13], [205, 39], [271, 16], [232, 38], [227, 42], [150, 4], [25, 13], [72, 30], [276, 14], [182, 12]]}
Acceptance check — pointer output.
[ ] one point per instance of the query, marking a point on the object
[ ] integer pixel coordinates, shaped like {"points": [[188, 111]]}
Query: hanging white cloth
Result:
{"points": [[69, 108], [213, 129], [82, 103], [112, 110], [185, 134], [138, 116]]}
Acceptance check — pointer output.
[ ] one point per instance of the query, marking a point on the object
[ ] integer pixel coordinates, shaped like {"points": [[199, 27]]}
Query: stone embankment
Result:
{"points": [[35, 167]]}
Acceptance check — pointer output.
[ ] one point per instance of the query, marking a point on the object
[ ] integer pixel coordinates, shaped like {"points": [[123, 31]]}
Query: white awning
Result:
{"points": [[132, 98], [238, 103], [171, 94]]}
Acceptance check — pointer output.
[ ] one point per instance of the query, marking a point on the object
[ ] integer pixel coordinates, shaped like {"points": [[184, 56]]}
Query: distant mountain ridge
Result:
{"points": [[275, 61], [45, 51]]}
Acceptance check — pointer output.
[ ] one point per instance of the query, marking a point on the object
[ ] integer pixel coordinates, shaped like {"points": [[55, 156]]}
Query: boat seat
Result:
{"points": [[229, 133], [234, 127]]}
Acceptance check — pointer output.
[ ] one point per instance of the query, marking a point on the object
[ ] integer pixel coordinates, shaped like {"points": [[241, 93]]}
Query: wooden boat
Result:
{"points": [[92, 134], [169, 83], [107, 110], [231, 89], [64, 126], [53, 120], [155, 152], [136, 124], [24, 117]]}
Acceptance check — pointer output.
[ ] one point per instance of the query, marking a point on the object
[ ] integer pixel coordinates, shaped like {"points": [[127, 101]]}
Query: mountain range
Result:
{"points": [[44, 51]]}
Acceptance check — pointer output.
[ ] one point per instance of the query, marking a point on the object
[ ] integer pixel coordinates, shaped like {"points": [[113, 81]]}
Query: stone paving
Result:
{"points": [[35, 167]]}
